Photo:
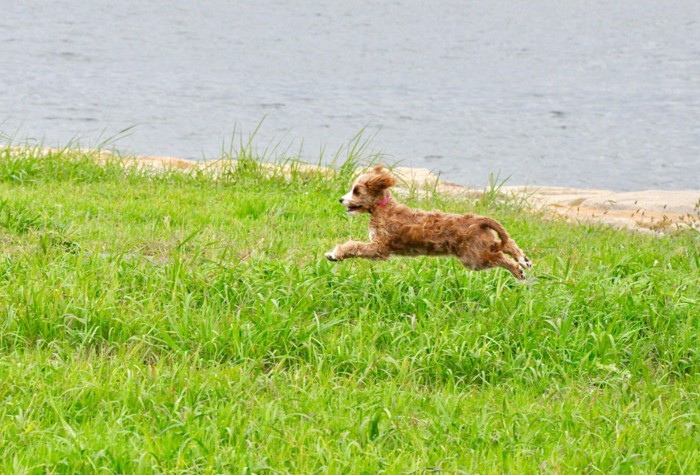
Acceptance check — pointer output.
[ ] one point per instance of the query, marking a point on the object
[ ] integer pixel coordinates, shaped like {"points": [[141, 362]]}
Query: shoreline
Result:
{"points": [[648, 211]]}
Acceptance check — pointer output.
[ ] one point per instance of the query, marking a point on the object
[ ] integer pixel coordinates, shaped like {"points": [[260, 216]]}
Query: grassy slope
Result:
{"points": [[180, 323]]}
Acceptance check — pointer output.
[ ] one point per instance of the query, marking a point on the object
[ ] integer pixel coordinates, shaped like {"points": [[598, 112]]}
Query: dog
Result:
{"points": [[478, 242]]}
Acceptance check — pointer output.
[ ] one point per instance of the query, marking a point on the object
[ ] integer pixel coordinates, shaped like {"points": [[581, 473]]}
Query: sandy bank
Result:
{"points": [[651, 211]]}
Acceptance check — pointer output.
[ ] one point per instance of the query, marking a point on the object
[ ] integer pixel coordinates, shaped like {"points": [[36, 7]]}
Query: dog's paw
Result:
{"points": [[524, 262], [331, 256]]}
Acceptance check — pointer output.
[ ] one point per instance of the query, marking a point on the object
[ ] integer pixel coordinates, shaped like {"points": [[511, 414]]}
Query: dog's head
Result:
{"points": [[368, 191]]}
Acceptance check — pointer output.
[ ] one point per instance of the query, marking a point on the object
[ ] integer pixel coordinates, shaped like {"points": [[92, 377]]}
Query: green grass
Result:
{"points": [[181, 323]]}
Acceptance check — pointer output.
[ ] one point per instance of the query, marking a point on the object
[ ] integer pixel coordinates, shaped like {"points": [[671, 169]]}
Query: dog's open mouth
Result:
{"points": [[353, 208]]}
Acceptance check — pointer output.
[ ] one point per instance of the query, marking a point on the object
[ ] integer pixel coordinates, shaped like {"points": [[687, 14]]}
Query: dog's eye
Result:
{"points": [[354, 191]]}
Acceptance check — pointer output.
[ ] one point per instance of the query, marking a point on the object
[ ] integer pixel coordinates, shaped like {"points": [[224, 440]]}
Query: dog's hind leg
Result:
{"points": [[512, 249], [502, 260], [495, 259], [367, 250]]}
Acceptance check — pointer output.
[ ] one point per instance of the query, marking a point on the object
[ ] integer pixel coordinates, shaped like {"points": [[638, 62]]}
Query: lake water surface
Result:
{"points": [[601, 94]]}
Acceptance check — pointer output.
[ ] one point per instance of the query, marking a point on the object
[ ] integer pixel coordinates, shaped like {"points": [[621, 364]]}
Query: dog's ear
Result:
{"points": [[380, 179]]}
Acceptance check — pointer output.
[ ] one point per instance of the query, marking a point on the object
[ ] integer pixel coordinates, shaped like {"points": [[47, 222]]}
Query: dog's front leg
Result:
{"points": [[368, 250]]}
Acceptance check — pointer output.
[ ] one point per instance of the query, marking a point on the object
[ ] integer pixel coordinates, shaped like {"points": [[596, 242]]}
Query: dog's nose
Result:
{"points": [[341, 201]]}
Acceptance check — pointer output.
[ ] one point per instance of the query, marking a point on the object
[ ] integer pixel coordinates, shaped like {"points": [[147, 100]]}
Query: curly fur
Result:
{"points": [[478, 242]]}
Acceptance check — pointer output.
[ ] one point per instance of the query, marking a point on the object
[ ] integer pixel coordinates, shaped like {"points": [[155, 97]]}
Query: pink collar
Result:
{"points": [[384, 201]]}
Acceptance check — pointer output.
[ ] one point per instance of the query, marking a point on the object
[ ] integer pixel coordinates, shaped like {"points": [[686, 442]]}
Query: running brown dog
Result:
{"points": [[478, 242]]}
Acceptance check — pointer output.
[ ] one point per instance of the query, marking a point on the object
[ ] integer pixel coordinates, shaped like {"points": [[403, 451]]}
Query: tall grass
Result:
{"points": [[179, 322]]}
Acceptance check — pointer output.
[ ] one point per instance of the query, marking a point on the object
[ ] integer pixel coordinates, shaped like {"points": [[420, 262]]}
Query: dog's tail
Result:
{"points": [[488, 223]]}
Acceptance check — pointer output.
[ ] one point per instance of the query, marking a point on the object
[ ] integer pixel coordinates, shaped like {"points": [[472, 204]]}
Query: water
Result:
{"points": [[601, 94]]}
